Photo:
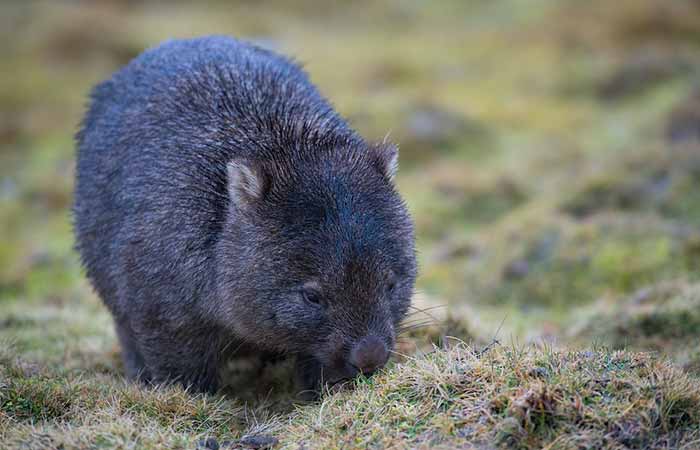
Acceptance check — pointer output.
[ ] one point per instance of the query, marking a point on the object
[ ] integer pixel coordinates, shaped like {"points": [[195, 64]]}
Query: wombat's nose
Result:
{"points": [[369, 354]]}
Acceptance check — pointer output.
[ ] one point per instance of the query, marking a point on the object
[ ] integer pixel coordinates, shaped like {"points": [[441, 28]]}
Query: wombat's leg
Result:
{"points": [[190, 359], [133, 361]]}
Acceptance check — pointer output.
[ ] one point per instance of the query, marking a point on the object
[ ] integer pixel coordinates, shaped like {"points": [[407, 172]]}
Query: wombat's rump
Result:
{"points": [[221, 204]]}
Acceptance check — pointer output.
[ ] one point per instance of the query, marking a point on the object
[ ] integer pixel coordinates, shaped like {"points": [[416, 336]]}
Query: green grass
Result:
{"points": [[556, 209]]}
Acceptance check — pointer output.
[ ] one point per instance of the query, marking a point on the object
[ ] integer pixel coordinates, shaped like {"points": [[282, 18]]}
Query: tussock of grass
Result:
{"points": [[511, 398]]}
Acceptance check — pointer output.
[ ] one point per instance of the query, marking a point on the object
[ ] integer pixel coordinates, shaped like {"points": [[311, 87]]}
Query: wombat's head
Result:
{"points": [[317, 257]]}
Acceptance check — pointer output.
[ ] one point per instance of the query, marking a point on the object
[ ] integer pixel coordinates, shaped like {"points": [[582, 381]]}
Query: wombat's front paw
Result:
{"points": [[314, 378], [309, 377]]}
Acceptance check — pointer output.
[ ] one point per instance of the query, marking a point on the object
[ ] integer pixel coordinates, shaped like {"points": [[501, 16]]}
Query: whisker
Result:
{"points": [[416, 319], [414, 327], [429, 308], [424, 311], [411, 329]]}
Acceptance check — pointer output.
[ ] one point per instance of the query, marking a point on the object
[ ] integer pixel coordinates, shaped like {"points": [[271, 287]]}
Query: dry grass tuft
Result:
{"points": [[511, 397]]}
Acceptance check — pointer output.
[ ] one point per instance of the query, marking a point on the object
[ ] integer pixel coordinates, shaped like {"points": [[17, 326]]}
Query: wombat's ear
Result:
{"points": [[387, 158], [246, 182]]}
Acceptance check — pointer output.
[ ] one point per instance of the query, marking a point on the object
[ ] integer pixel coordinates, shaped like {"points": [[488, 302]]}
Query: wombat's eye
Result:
{"points": [[311, 293], [313, 298]]}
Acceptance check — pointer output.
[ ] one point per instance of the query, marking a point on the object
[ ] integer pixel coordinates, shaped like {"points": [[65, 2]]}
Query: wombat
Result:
{"points": [[222, 206]]}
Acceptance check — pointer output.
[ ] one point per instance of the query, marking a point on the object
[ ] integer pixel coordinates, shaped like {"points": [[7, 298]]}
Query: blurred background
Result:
{"points": [[550, 154]]}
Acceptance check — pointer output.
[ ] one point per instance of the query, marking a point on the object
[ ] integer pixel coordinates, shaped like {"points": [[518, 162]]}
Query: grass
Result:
{"points": [[514, 397], [549, 157], [532, 397]]}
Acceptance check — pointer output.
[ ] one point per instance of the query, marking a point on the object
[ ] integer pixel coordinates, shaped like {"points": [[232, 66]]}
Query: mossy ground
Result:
{"points": [[550, 154]]}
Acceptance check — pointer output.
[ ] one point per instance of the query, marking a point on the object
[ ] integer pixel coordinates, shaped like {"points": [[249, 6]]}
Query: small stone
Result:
{"points": [[208, 443], [539, 372], [258, 441]]}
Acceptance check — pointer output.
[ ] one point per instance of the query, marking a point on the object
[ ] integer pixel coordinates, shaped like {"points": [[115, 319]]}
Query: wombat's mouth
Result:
{"points": [[364, 357], [353, 374]]}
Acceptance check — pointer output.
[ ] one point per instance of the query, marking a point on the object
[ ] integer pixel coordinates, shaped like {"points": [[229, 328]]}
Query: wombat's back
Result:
{"points": [[150, 194]]}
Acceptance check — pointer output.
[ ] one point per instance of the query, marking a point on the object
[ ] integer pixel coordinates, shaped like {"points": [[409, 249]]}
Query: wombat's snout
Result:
{"points": [[369, 355]]}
